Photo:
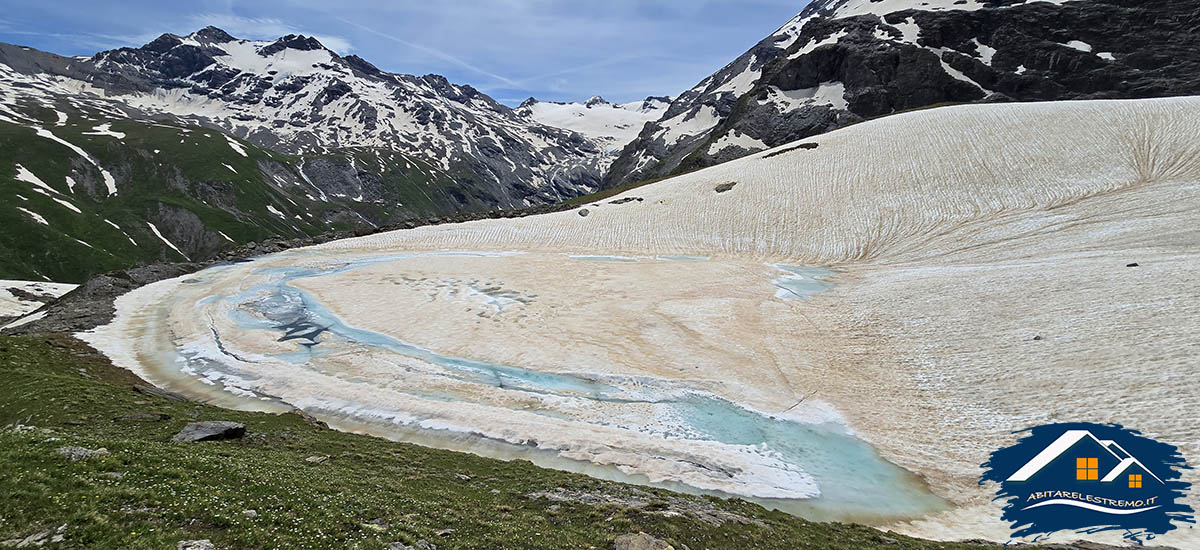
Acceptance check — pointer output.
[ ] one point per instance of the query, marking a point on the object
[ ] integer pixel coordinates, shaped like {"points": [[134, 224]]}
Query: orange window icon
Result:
{"points": [[1135, 481], [1087, 469]]}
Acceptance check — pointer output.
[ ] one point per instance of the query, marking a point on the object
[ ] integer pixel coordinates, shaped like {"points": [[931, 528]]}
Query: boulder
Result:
{"points": [[212, 430], [378, 525], [640, 541], [202, 544], [38, 539], [419, 545], [75, 454]]}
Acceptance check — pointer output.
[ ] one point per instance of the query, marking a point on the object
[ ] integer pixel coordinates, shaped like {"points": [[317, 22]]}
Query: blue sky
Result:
{"points": [[556, 50]]}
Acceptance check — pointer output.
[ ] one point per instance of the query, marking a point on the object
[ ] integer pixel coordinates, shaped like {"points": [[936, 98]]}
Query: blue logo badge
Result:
{"points": [[1090, 478]]}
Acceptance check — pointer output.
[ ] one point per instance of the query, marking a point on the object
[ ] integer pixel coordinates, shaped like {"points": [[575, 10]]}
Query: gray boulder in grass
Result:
{"points": [[640, 541], [211, 430], [203, 544]]}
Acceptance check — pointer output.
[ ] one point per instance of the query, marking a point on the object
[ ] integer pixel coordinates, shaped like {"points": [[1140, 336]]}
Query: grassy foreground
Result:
{"points": [[370, 493]]}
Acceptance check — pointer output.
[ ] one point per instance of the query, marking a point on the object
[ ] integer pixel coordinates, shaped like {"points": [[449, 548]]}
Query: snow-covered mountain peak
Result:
{"points": [[161, 44], [656, 104], [211, 35], [610, 123], [212, 56], [294, 42], [291, 55]]}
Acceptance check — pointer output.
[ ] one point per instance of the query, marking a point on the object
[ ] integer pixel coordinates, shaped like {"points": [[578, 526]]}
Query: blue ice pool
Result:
{"points": [[852, 476], [800, 282]]}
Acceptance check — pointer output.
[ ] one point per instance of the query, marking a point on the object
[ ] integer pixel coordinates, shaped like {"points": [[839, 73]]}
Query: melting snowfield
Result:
{"points": [[19, 298], [846, 333]]}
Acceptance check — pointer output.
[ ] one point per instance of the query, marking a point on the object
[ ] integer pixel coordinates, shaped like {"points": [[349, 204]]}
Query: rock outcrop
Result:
{"points": [[843, 61], [212, 430]]}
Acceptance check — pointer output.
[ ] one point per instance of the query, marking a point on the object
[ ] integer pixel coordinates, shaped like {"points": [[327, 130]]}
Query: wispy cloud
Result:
{"points": [[608, 62], [432, 51], [88, 40], [550, 49]]}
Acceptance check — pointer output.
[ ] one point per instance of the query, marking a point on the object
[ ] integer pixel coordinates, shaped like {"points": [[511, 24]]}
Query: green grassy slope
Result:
{"points": [[151, 493], [199, 191]]}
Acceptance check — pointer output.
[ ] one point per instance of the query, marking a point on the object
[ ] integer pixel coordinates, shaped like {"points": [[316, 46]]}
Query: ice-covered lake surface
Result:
{"points": [[659, 430], [600, 258]]}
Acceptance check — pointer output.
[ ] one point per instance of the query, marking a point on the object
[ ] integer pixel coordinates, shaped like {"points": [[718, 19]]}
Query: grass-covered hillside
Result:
{"points": [[86, 189], [358, 491]]}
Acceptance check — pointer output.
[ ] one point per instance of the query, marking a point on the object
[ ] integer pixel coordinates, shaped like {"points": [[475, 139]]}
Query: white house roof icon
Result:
{"points": [[1067, 440]]}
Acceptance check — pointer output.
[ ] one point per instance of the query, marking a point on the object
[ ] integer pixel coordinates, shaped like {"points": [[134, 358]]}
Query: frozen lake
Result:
{"points": [[272, 339]]}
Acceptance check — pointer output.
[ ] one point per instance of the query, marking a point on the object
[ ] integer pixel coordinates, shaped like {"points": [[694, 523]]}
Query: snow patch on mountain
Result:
{"points": [[23, 174], [736, 139], [985, 52], [1078, 45], [14, 304], [43, 188], [909, 30], [827, 93], [101, 130], [814, 44], [34, 215], [237, 147], [110, 183], [154, 229], [741, 82], [850, 8], [690, 123], [249, 56]]}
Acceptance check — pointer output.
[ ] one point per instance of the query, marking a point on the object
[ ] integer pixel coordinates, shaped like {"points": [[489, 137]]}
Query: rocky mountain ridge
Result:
{"points": [[843, 61], [89, 184], [295, 96], [189, 145]]}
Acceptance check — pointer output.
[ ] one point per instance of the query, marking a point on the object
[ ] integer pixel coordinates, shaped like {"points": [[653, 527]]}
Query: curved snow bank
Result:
{"points": [[872, 190]]}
